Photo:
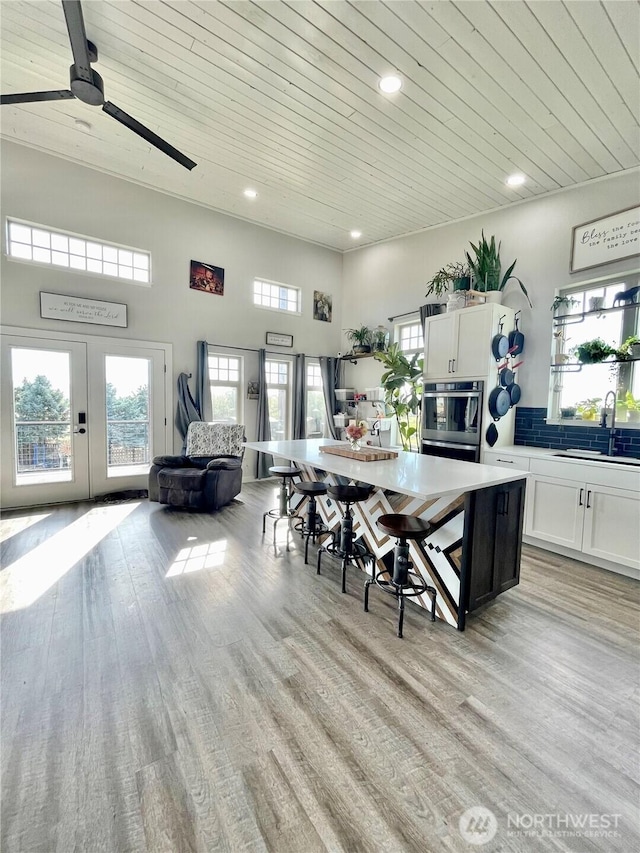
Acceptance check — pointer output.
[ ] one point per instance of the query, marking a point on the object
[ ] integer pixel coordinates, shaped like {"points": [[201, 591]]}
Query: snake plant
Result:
{"points": [[486, 267]]}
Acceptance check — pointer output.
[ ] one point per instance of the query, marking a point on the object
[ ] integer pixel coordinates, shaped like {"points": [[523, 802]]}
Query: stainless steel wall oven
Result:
{"points": [[452, 419]]}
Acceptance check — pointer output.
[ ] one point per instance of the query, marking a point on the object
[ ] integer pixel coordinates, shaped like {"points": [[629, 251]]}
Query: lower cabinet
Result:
{"points": [[493, 541], [595, 519]]}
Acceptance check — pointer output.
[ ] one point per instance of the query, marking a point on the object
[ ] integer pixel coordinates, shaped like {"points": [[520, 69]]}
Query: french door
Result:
{"points": [[79, 418]]}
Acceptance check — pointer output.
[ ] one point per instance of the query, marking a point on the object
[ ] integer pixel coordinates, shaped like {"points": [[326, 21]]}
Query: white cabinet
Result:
{"points": [[505, 460], [458, 345], [596, 519]]}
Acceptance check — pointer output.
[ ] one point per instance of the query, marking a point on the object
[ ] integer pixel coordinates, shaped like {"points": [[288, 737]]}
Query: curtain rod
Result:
{"points": [[268, 351], [406, 314]]}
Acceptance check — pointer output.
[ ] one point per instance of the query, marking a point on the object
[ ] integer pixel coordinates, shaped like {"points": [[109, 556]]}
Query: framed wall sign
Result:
{"points": [[275, 339], [611, 238], [77, 309]]}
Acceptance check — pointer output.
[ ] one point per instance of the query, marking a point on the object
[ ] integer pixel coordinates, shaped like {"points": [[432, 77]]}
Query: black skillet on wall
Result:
{"points": [[492, 434], [516, 338], [499, 402], [500, 342]]}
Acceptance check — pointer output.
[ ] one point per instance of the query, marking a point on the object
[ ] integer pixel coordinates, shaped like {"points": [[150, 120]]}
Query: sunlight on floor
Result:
{"points": [[10, 526], [209, 555], [23, 582]]}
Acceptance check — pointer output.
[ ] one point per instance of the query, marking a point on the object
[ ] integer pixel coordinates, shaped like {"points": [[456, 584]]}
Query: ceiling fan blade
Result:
{"points": [[78, 38], [149, 135], [32, 97]]}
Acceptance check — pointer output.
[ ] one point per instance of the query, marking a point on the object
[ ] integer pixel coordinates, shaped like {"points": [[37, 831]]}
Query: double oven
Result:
{"points": [[452, 419]]}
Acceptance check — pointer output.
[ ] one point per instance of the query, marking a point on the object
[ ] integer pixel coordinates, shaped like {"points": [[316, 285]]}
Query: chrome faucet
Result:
{"points": [[603, 421]]}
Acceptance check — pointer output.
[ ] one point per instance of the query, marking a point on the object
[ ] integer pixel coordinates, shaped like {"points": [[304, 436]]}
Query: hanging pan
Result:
{"points": [[499, 402], [507, 375], [492, 434], [515, 392], [516, 338], [500, 342]]}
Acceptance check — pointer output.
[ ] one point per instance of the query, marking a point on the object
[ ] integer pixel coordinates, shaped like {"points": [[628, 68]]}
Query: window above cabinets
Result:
{"points": [[591, 355]]}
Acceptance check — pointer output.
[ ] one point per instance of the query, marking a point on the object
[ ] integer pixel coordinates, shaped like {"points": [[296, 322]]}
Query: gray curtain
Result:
{"points": [[263, 428], [330, 368], [429, 310], [203, 396], [186, 409], [299, 397]]}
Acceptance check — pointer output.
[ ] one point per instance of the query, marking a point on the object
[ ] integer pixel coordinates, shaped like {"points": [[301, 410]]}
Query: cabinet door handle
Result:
{"points": [[580, 498], [589, 499], [510, 461], [449, 367], [453, 365]]}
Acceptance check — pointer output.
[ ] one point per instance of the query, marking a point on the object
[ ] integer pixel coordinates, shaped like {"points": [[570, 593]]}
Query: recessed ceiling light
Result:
{"points": [[356, 234], [83, 125], [516, 180], [251, 193], [390, 84]]}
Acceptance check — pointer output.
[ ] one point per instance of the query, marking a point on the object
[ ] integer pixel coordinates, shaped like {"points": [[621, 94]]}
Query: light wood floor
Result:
{"points": [[171, 684]]}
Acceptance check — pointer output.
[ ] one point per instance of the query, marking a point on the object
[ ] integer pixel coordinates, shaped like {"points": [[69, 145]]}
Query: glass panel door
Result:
{"points": [[44, 421]]}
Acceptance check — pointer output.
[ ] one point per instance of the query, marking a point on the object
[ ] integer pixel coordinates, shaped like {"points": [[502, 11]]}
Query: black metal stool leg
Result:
{"points": [[367, 584], [433, 593], [400, 614]]}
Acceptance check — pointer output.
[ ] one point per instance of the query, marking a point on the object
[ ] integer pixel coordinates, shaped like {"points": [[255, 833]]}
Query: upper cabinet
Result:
{"points": [[458, 345]]}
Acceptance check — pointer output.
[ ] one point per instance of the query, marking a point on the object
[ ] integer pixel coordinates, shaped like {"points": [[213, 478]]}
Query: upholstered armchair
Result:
{"points": [[208, 476]]}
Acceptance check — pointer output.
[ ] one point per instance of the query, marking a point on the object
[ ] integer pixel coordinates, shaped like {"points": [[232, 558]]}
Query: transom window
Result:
{"points": [[411, 338], [225, 384], [588, 315], [84, 254], [278, 297], [279, 398]]}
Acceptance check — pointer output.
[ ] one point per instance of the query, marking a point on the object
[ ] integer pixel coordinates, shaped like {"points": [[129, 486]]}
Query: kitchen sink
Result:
{"points": [[597, 457]]}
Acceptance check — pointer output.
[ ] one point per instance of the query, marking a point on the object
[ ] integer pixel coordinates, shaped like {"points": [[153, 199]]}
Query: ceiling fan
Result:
{"points": [[86, 85]]}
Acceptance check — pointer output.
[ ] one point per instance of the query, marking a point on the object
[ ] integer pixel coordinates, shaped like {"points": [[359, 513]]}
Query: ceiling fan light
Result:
{"points": [[390, 84], [516, 180]]}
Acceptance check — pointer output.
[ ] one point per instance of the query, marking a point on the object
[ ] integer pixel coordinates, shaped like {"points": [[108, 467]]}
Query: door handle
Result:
{"points": [[580, 498], [589, 499], [80, 430], [453, 365]]}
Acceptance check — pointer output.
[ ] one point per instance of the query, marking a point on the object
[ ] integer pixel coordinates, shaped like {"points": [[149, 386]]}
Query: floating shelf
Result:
{"points": [[578, 317]]}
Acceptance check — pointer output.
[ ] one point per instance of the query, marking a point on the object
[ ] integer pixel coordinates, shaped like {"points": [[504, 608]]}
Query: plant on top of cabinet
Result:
{"points": [[454, 274], [593, 352], [486, 268], [360, 339], [402, 383]]}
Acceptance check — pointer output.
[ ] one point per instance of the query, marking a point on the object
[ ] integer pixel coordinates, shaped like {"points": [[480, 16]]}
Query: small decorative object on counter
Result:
{"points": [[355, 433]]}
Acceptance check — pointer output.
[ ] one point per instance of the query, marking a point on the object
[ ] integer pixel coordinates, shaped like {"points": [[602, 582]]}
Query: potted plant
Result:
{"points": [[360, 339], [455, 274], [379, 339], [593, 352], [630, 349], [486, 268], [633, 407], [563, 304], [568, 412], [402, 383], [588, 409]]}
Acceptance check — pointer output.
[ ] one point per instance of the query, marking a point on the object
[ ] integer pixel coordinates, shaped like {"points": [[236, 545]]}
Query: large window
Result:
{"points": [[279, 395], [225, 383], [578, 390], [316, 418], [411, 338], [28, 242], [278, 297]]}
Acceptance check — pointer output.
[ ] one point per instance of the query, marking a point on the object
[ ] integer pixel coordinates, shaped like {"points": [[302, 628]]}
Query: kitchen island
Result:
{"points": [[476, 511]]}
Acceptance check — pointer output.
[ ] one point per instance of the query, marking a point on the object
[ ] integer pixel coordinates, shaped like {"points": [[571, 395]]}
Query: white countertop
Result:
{"points": [[410, 474]]}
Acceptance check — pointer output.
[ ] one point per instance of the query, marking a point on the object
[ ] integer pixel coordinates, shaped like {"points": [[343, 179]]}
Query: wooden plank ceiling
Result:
{"points": [[282, 97]]}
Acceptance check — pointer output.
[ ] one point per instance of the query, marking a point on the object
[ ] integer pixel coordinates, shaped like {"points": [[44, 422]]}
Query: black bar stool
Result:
{"points": [[346, 548], [312, 526], [283, 510], [404, 583]]}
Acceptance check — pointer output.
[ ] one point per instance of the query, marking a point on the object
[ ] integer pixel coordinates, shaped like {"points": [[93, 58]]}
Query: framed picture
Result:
{"points": [[611, 238], [77, 309], [275, 339], [252, 390], [322, 306], [207, 278]]}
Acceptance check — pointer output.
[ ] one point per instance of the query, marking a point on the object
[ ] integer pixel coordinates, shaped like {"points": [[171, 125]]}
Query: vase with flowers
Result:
{"points": [[355, 433]]}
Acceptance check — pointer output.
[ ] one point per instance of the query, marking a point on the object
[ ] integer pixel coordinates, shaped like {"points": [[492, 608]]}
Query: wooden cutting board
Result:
{"points": [[365, 454]]}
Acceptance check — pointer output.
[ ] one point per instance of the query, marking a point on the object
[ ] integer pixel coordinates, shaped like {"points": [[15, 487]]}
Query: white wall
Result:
{"points": [[56, 193], [390, 278]]}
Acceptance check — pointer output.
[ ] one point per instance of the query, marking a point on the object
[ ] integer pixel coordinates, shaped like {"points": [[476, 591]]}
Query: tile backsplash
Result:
{"points": [[532, 430]]}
